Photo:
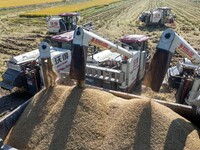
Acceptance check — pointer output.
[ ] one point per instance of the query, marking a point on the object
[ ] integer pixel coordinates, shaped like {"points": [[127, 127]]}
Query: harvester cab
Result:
{"points": [[136, 42], [159, 16], [62, 22]]}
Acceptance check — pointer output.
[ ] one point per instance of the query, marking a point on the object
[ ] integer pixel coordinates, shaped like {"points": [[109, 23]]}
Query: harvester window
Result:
{"points": [[127, 46], [74, 20], [70, 20], [167, 12], [67, 45], [55, 44], [136, 45], [65, 19], [144, 45]]}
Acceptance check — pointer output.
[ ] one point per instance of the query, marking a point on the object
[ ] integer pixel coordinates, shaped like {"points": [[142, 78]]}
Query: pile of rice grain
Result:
{"points": [[71, 118]]}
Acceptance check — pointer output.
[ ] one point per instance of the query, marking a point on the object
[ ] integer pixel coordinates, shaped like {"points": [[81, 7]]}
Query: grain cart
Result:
{"points": [[158, 16], [185, 77], [118, 70]]}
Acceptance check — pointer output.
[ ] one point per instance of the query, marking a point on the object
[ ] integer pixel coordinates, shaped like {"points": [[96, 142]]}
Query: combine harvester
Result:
{"points": [[184, 77], [64, 22], [115, 68], [159, 16]]}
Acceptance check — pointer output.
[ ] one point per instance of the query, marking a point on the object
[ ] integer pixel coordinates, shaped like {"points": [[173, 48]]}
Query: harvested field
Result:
{"points": [[71, 118]]}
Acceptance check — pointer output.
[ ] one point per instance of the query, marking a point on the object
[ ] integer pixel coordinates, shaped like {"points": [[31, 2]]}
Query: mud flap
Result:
{"points": [[157, 69]]}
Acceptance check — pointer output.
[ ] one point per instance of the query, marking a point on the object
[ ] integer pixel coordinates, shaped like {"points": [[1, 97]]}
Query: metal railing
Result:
{"points": [[105, 73]]}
